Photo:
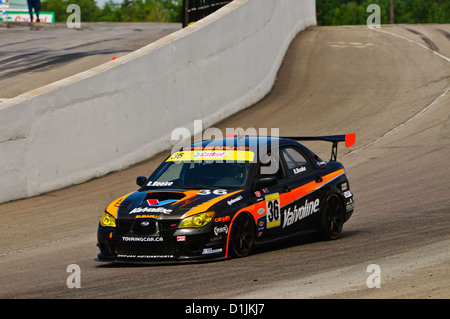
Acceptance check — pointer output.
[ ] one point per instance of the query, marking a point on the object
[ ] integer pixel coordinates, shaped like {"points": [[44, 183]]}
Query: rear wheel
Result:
{"points": [[242, 235], [332, 218]]}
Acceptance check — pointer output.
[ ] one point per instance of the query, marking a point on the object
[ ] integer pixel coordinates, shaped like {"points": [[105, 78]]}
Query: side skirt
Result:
{"points": [[259, 243]]}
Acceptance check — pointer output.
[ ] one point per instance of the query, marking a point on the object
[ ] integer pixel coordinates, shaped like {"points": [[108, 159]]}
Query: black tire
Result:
{"points": [[242, 236], [331, 219]]}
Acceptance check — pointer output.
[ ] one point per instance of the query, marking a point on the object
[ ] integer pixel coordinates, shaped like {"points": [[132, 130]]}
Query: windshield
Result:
{"points": [[203, 169]]}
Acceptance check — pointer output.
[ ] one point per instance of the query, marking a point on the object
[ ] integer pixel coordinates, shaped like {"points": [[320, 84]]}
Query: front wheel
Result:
{"points": [[332, 218], [242, 235]]}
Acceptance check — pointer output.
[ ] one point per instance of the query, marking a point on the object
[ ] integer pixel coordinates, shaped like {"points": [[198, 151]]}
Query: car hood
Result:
{"points": [[168, 203]]}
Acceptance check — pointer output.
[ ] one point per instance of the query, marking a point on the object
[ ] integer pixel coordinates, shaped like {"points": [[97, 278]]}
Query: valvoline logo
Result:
{"points": [[155, 202]]}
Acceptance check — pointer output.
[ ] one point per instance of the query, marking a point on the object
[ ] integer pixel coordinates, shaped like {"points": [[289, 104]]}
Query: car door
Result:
{"points": [[303, 196], [269, 225]]}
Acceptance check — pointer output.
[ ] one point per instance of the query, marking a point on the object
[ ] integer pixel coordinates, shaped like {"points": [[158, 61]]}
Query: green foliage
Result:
{"points": [[336, 12], [127, 11], [329, 12]]}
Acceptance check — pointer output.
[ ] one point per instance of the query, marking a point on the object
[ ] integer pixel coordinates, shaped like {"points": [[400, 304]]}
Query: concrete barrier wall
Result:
{"points": [[124, 111]]}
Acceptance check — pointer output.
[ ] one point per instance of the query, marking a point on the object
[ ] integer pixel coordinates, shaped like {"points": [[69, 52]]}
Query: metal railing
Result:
{"points": [[194, 10]]}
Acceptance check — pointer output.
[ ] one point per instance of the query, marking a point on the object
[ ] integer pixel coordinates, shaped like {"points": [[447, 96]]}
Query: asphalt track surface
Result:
{"points": [[390, 86], [30, 59]]}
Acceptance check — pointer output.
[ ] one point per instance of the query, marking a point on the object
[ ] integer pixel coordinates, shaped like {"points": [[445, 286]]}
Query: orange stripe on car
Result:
{"points": [[207, 205], [286, 198], [114, 206]]}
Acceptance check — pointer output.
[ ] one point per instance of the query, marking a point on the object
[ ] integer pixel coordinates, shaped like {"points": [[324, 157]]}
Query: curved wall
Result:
{"points": [[124, 111]]}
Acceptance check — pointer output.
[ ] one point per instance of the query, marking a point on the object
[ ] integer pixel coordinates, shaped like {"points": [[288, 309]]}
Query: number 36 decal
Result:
{"points": [[273, 210], [215, 192]]}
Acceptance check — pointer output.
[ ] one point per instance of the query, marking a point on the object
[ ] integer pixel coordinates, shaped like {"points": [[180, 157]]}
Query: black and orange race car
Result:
{"points": [[220, 198]]}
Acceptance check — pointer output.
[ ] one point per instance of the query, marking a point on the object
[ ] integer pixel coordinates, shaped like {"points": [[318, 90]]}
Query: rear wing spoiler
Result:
{"points": [[349, 140]]}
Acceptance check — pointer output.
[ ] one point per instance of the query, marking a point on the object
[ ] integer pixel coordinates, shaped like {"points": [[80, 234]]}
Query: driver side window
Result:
{"points": [[272, 166], [296, 163]]}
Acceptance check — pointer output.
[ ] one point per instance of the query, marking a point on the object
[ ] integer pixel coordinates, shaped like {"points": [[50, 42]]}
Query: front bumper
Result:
{"points": [[175, 245]]}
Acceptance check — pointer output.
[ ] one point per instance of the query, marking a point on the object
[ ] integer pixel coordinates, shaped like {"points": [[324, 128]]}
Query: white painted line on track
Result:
{"points": [[427, 108], [402, 125], [416, 43]]}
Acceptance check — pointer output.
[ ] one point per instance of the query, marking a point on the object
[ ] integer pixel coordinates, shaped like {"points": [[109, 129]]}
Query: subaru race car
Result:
{"points": [[221, 198]]}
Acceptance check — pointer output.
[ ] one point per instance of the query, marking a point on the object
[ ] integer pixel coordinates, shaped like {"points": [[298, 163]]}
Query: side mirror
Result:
{"points": [[140, 180], [267, 181], [322, 165]]}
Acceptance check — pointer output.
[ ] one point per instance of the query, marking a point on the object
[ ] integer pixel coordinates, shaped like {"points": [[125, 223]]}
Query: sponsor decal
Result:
{"points": [[212, 155], [234, 200], [145, 256], [350, 205], [299, 169], [261, 211], [211, 251], [209, 154], [150, 210], [222, 219], [308, 208], [221, 230], [155, 202], [23, 16], [159, 184], [213, 239], [143, 239], [181, 238], [262, 223], [348, 194], [146, 216]]}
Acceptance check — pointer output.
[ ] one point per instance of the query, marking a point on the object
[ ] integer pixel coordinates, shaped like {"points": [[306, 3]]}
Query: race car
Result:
{"points": [[223, 197]]}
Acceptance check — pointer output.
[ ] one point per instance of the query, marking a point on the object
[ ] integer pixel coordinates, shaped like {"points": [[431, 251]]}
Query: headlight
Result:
{"points": [[107, 220], [197, 221]]}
